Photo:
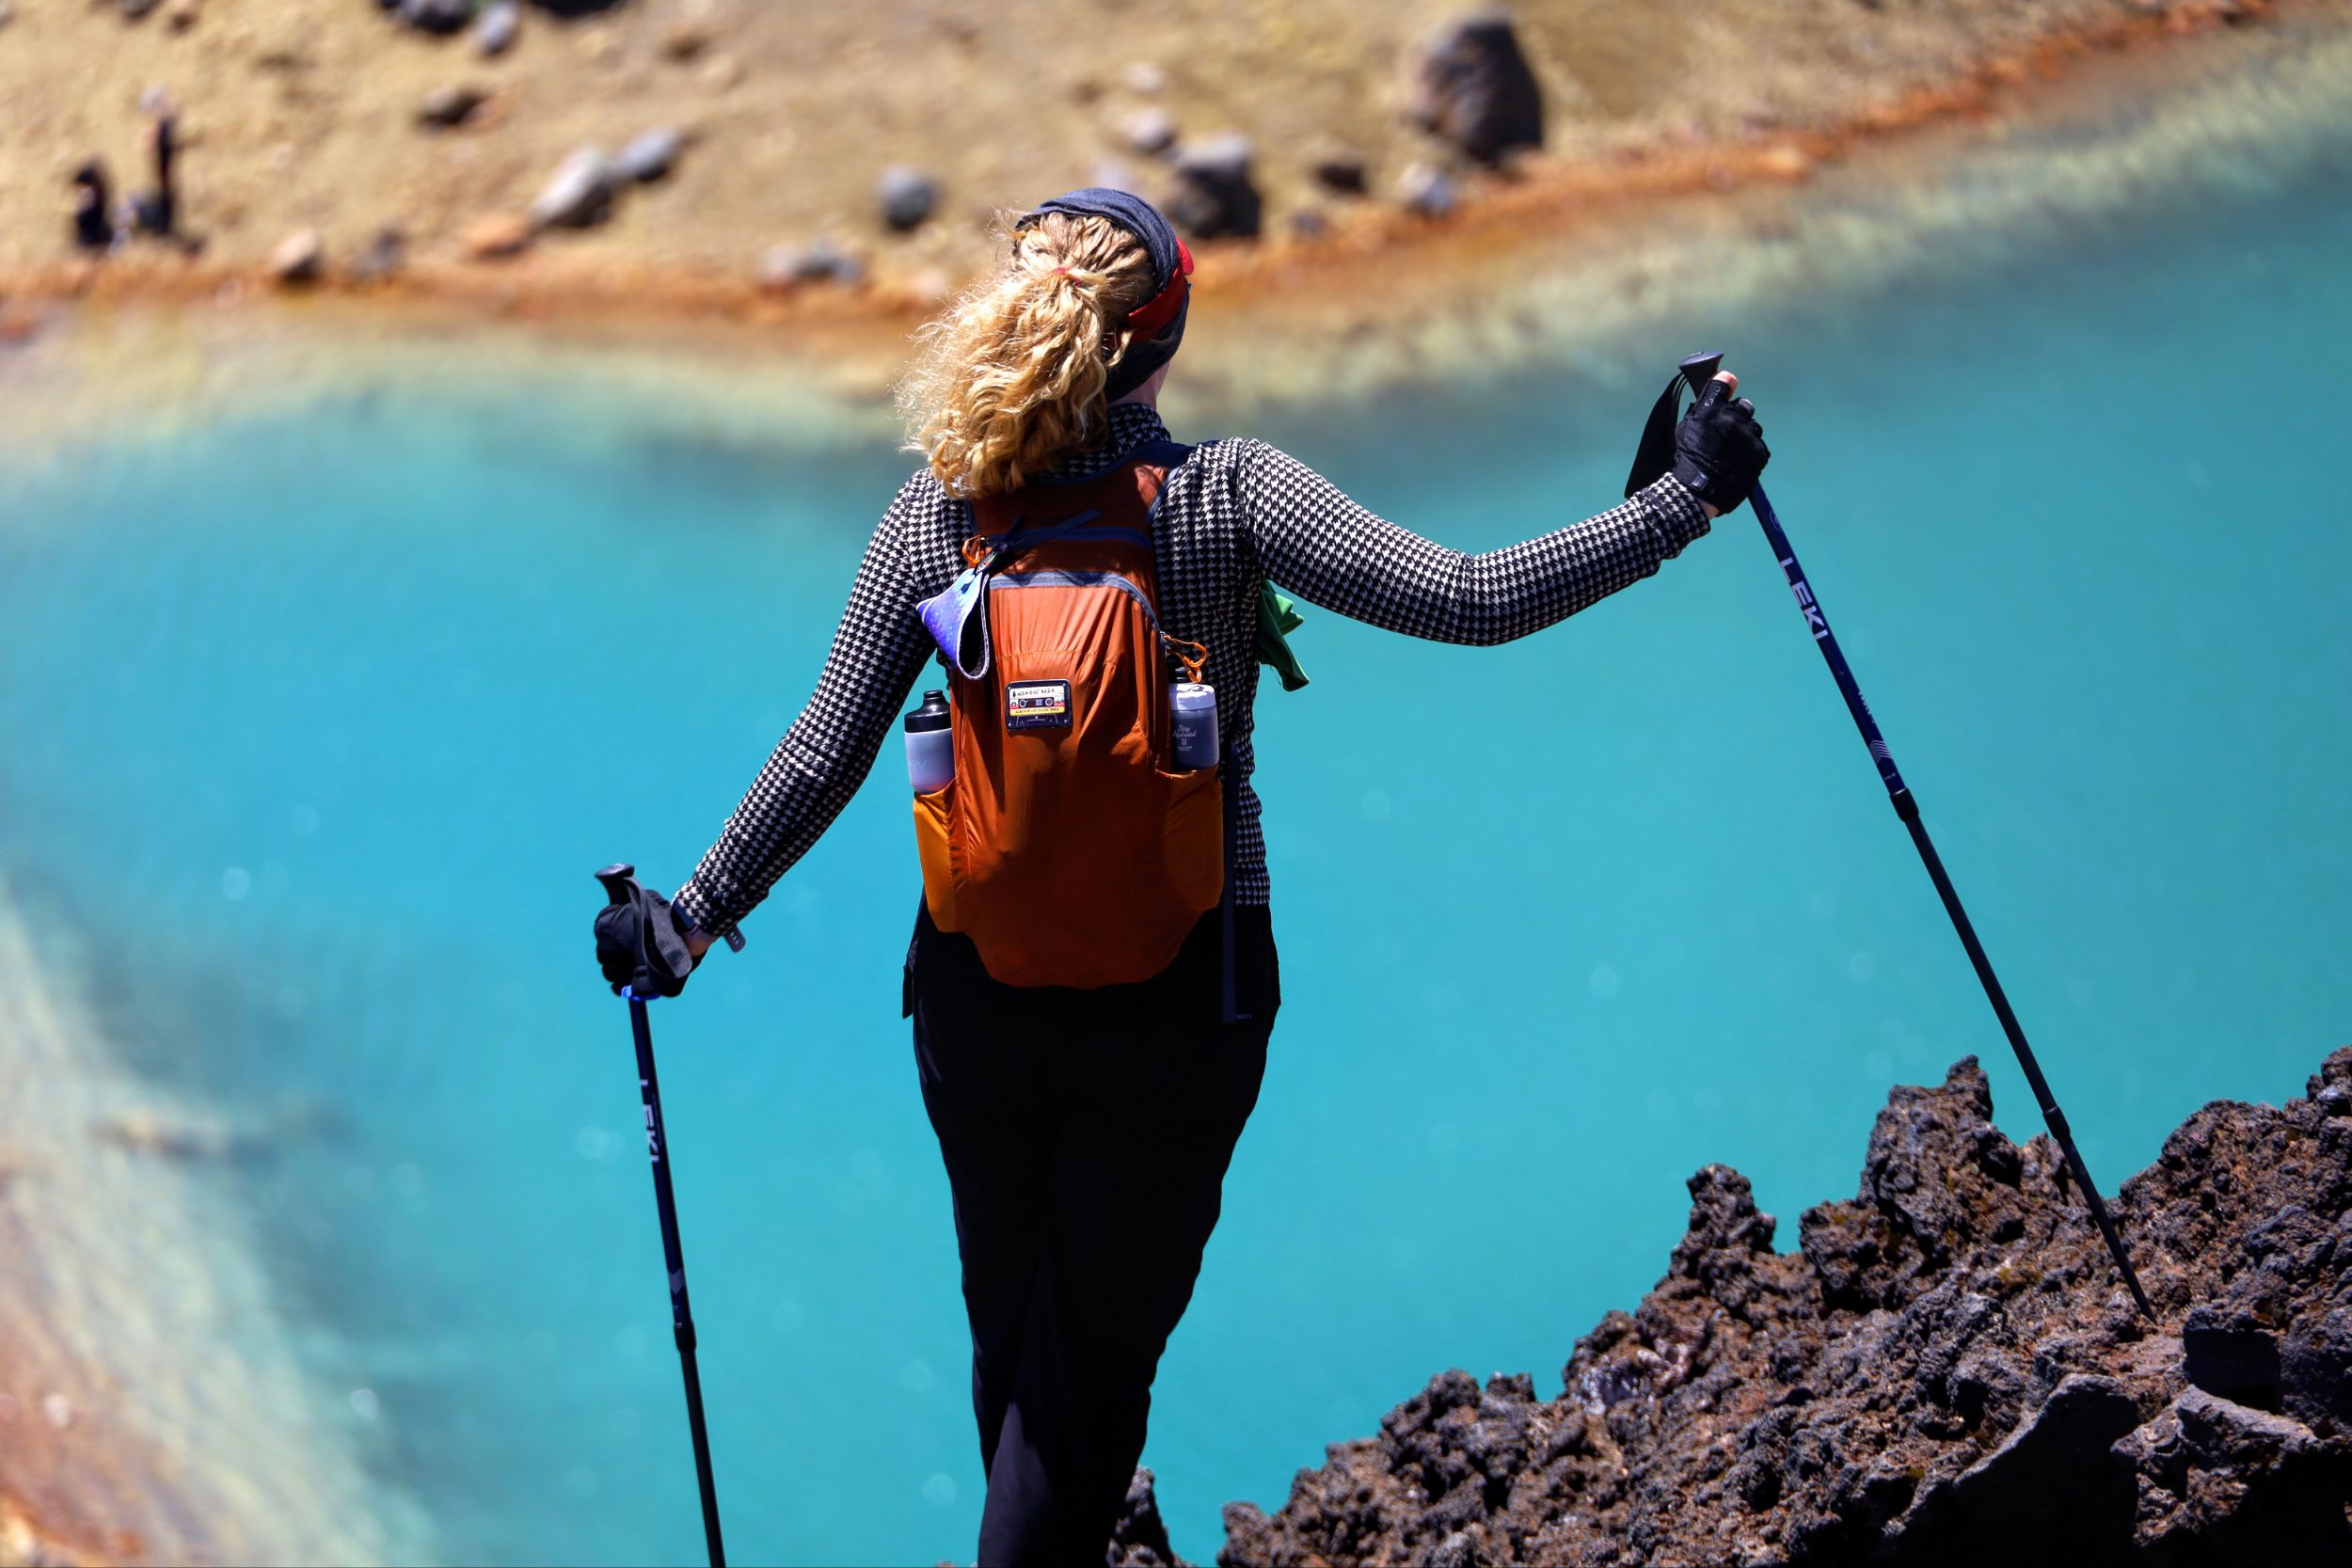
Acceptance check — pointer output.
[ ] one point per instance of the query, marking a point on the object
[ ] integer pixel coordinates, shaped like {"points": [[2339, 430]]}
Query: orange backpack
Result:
{"points": [[1063, 847]]}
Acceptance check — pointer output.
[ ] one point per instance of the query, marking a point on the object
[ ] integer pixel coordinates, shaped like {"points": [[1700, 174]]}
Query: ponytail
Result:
{"points": [[1011, 380]]}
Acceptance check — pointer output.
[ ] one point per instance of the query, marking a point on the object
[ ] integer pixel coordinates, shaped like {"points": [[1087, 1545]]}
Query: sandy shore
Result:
{"points": [[1545, 272], [149, 1409], [304, 118]]}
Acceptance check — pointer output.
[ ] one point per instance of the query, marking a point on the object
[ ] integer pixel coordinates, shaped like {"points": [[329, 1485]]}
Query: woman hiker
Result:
{"points": [[1092, 976]]}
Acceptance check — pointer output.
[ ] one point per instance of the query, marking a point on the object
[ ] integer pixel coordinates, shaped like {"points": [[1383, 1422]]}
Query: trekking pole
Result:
{"points": [[1698, 370], [618, 886]]}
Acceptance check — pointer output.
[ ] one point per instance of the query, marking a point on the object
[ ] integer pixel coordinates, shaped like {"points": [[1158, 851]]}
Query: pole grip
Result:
{"points": [[620, 881], [1699, 368]]}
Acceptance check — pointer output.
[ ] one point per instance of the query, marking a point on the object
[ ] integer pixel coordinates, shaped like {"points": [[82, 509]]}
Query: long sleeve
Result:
{"points": [[1310, 537], [826, 753]]}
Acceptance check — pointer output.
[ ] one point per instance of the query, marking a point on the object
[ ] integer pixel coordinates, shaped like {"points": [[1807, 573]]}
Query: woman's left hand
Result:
{"points": [[1719, 448]]}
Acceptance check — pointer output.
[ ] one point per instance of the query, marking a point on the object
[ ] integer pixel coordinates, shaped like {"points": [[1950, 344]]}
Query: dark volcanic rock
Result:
{"points": [[1471, 85], [1938, 1177], [436, 16], [1343, 171], [1139, 1539], [1946, 1374], [907, 197], [1216, 190], [452, 105]]}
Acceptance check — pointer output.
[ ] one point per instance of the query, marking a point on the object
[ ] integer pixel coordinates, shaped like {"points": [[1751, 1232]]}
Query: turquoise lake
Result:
{"points": [[318, 723]]}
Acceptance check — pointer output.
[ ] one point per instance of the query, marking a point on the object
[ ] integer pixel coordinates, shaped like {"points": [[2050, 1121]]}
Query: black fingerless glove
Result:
{"points": [[640, 947], [1719, 449]]}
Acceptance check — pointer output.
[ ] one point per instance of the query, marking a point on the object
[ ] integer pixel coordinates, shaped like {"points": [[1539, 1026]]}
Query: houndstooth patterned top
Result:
{"points": [[1234, 514]]}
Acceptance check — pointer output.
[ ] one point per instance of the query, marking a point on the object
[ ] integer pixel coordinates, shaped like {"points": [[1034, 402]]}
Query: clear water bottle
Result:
{"points": [[1192, 726], [931, 745]]}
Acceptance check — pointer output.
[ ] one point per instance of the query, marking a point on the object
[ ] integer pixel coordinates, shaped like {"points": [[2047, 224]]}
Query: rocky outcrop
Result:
{"points": [[1947, 1372]]}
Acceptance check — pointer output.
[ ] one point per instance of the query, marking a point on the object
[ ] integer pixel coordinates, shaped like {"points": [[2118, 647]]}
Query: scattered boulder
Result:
{"points": [[1429, 191], [298, 259], [8, 13], [445, 108], [649, 156], [720, 72], [1342, 172], [181, 15], [778, 269], [495, 236], [580, 193], [1471, 85], [1149, 131], [784, 267], [498, 27], [381, 258], [1216, 193], [693, 30], [907, 195], [438, 16], [1142, 76], [1947, 1372], [135, 10]]}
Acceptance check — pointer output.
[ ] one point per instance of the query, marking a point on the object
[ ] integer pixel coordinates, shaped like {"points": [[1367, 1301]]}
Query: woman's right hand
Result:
{"points": [[1719, 448], [640, 947]]}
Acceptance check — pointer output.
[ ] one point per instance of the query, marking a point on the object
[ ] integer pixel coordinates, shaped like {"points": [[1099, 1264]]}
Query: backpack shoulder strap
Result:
{"points": [[1165, 457]]}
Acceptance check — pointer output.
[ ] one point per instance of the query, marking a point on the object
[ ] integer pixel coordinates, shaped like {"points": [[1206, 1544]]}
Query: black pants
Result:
{"points": [[1085, 1135]]}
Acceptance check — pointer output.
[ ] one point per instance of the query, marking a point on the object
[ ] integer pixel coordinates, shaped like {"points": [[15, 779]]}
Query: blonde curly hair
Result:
{"points": [[1010, 379]]}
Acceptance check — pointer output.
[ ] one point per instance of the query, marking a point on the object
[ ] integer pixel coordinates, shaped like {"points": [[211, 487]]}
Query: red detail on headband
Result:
{"points": [[1148, 319]]}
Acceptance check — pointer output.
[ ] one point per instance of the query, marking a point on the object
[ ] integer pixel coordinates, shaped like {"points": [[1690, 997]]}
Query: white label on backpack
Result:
{"points": [[1037, 706]]}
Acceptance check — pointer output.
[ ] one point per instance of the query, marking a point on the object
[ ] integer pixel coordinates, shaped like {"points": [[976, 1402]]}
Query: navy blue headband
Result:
{"points": [[1170, 265]]}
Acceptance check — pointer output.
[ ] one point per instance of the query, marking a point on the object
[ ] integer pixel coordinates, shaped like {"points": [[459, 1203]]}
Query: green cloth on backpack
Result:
{"points": [[1278, 616]]}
